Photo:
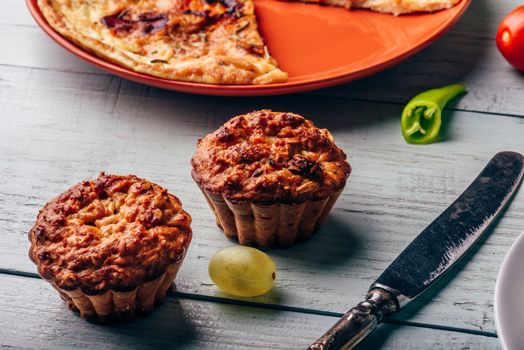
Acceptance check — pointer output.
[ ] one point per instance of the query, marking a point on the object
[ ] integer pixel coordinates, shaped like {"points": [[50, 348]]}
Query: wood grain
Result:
{"points": [[467, 53], [35, 318], [61, 128], [63, 120]]}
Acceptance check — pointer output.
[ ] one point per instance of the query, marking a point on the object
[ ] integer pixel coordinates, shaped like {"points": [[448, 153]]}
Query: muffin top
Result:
{"points": [[267, 157], [114, 232]]}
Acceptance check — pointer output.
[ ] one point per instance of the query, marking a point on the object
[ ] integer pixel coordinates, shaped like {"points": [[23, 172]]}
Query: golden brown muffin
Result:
{"points": [[111, 246], [271, 178]]}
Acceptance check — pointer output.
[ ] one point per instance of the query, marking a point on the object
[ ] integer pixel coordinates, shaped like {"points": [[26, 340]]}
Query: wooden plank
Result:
{"points": [[466, 54], [77, 125], [15, 13], [33, 317]]}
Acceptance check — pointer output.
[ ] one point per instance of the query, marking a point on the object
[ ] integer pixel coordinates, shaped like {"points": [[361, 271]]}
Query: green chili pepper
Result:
{"points": [[422, 116]]}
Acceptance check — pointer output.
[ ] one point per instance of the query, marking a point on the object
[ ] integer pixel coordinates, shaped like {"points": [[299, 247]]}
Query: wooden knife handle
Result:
{"points": [[358, 322]]}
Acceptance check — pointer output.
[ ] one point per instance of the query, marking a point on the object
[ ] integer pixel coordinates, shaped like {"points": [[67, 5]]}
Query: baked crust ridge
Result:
{"points": [[112, 233], [203, 41], [270, 157], [395, 7]]}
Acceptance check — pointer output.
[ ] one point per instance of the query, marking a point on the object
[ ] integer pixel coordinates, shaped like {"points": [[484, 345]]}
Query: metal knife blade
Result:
{"points": [[432, 253], [452, 233]]}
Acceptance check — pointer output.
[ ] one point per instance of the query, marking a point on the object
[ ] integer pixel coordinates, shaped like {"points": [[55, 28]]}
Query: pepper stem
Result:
{"points": [[444, 94]]}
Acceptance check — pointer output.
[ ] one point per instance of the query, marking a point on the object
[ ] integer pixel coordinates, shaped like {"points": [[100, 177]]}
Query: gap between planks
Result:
{"points": [[214, 299], [449, 108], [315, 94]]}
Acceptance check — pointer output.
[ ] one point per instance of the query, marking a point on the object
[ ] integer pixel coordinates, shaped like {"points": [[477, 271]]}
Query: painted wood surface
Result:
{"points": [[35, 318], [467, 53], [77, 125], [64, 121]]}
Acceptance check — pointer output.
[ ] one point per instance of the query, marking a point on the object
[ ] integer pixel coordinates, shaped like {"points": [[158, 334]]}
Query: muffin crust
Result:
{"points": [[114, 232], [267, 157]]}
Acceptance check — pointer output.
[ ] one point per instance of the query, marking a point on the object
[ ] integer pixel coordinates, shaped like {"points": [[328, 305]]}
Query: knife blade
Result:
{"points": [[432, 253]]}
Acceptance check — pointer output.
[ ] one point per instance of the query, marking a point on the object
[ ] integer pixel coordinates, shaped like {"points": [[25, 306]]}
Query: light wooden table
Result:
{"points": [[63, 121]]}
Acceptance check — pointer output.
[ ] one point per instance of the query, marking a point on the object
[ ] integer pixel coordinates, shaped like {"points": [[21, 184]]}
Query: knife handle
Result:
{"points": [[358, 322]]}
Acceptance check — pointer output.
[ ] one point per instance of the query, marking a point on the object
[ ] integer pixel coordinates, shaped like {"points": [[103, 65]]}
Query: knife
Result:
{"points": [[432, 253]]}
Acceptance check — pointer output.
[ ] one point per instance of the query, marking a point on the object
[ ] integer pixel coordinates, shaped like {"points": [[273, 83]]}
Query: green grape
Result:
{"points": [[242, 271]]}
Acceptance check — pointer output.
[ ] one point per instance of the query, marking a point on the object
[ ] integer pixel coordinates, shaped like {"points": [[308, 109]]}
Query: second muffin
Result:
{"points": [[112, 246], [271, 178]]}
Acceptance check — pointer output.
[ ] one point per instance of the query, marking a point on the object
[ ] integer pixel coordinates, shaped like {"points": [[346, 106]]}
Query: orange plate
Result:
{"points": [[318, 46]]}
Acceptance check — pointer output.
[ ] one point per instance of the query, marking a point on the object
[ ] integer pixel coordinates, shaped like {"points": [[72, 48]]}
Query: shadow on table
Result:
{"points": [[378, 338], [334, 244], [333, 113], [168, 325], [276, 296], [451, 59], [328, 251]]}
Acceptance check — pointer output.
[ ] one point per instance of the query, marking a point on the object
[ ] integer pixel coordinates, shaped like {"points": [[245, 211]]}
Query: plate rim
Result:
{"points": [[238, 90], [508, 259]]}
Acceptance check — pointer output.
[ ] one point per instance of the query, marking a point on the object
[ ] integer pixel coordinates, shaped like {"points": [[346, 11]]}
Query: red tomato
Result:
{"points": [[510, 38]]}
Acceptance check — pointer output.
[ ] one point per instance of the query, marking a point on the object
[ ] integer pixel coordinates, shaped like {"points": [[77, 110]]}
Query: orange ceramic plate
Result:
{"points": [[318, 46]]}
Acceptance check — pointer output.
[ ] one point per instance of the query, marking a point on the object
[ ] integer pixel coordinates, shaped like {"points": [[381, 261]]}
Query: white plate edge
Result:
{"points": [[498, 286]]}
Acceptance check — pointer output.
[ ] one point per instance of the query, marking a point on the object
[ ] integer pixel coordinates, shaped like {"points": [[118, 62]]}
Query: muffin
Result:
{"points": [[112, 246], [271, 178]]}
